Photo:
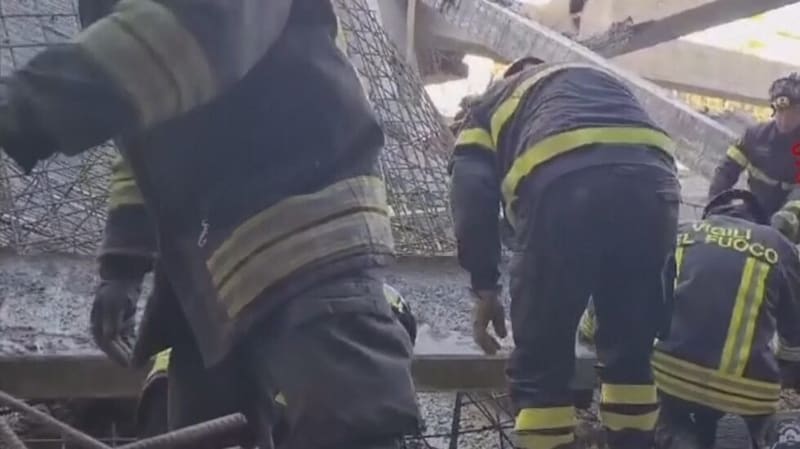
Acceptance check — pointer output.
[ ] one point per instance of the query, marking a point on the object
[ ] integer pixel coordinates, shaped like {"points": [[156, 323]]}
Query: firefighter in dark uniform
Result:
{"points": [[254, 150], [769, 152], [589, 185], [151, 413], [738, 281]]}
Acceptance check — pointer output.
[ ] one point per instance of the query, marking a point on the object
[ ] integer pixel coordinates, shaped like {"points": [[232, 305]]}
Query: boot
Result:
{"points": [[778, 433], [676, 437]]}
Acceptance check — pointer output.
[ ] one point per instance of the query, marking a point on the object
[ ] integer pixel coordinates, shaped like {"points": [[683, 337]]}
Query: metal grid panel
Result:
{"points": [[61, 207]]}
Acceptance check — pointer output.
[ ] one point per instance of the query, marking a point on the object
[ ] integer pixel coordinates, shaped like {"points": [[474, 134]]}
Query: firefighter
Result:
{"points": [[738, 282], [770, 153], [253, 148], [709, 366], [589, 185], [151, 413]]}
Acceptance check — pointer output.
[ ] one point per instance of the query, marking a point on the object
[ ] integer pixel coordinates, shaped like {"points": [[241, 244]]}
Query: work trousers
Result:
{"points": [[605, 231], [337, 355], [685, 425]]}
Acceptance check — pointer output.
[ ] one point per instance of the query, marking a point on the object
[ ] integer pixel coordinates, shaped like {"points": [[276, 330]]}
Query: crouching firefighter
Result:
{"points": [[151, 413], [738, 282], [269, 220], [589, 185], [769, 153]]}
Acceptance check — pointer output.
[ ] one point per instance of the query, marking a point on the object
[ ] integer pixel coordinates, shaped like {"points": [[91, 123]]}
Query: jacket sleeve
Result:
{"points": [[475, 204], [129, 245], [727, 173], [789, 215], [788, 313], [145, 63]]}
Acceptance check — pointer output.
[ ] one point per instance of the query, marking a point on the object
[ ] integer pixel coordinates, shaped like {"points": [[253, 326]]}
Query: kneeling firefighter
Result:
{"points": [[151, 413], [738, 281], [589, 186]]}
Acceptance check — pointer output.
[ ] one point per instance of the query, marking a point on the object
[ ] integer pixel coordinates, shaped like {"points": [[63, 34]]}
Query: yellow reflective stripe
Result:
{"points": [[739, 157], [587, 325], [792, 206], [393, 298], [275, 243], [749, 298], [160, 363], [628, 394], [476, 136], [561, 143], [718, 400], [509, 106], [538, 441], [545, 418], [678, 263], [786, 351], [164, 70], [621, 421], [764, 391], [124, 193]]}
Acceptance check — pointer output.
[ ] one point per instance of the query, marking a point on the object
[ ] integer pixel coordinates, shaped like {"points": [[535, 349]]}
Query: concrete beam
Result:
{"points": [[694, 15], [651, 23], [647, 33], [706, 70]]}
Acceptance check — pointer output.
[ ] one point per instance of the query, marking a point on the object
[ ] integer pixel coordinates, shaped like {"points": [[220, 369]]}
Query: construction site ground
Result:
{"points": [[45, 299]]}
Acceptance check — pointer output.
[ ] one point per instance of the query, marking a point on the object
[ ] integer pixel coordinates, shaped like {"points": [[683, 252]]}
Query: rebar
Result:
{"points": [[192, 435], [9, 438], [68, 431]]}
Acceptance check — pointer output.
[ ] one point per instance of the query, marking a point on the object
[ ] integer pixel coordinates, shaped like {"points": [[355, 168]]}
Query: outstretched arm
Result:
{"points": [[727, 173], [475, 204], [145, 63]]}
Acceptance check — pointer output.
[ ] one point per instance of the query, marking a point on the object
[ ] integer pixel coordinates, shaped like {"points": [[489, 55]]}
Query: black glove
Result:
{"points": [[488, 309], [112, 318]]}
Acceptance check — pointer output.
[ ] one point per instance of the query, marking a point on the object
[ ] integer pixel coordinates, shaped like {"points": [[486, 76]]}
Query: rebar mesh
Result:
{"points": [[417, 140], [461, 420], [61, 206]]}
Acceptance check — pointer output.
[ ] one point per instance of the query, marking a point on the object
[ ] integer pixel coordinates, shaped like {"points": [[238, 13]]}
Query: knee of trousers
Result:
{"points": [[625, 408], [545, 427]]}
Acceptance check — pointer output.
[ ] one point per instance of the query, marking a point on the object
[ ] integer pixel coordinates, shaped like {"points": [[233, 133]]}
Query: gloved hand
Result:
{"points": [[112, 318], [488, 308], [785, 222]]}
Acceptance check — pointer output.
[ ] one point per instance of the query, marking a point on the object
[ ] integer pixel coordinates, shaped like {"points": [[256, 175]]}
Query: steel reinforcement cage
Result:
{"points": [[61, 207]]}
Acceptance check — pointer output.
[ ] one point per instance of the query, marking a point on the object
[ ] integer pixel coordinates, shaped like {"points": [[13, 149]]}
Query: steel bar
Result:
{"points": [[192, 435], [68, 431], [8, 438]]}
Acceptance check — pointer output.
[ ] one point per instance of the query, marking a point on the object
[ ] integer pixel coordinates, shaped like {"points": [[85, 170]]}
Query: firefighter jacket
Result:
{"points": [[249, 137], [769, 159], [737, 283], [533, 127]]}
